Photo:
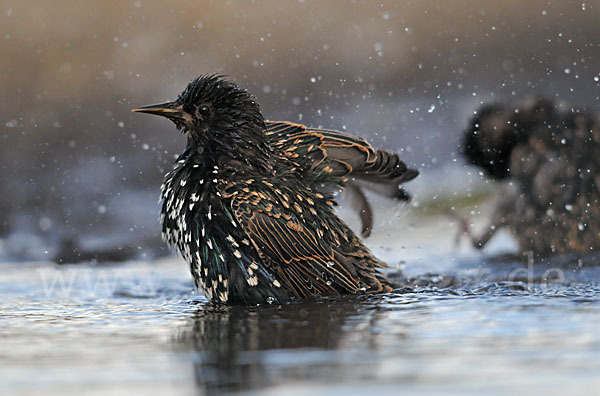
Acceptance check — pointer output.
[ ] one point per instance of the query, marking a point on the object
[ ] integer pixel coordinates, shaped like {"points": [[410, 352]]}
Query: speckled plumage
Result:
{"points": [[550, 154], [244, 205], [347, 158]]}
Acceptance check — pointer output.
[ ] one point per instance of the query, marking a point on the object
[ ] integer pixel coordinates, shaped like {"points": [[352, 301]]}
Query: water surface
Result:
{"points": [[462, 323]]}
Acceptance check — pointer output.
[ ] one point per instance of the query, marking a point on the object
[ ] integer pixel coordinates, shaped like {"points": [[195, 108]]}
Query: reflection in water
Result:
{"points": [[482, 334], [239, 348], [230, 341]]}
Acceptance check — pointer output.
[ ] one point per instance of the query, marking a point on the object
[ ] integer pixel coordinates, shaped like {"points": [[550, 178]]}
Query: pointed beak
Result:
{"points": [[168, 109]]}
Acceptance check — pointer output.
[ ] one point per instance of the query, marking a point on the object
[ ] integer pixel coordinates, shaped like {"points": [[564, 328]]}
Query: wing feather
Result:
{"points": [[288, 242], [339, 158]]}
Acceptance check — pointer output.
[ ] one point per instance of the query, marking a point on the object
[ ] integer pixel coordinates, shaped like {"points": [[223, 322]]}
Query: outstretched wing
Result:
{"points": [[337, 153], [301, 241], [343, 158]]}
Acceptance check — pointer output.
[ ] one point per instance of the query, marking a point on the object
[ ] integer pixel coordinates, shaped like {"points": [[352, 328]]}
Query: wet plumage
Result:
{"points": [[550, 154], [342, 155], [245, 203]]}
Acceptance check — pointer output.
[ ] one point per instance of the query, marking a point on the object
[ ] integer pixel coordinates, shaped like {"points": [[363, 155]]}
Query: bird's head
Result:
{"points": [[490, 138], [211, 107]]}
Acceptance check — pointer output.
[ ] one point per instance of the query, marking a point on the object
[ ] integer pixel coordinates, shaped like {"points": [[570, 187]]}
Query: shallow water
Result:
{"points": [[464, 323]]}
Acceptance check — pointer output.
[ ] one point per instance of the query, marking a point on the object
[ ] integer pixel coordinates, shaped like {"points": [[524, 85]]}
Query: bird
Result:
{"points": [[248, 203], [547, 155]]}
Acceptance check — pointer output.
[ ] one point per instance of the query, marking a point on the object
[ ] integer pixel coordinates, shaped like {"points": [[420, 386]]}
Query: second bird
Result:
{"points": [[549, 155], [248, 203]]}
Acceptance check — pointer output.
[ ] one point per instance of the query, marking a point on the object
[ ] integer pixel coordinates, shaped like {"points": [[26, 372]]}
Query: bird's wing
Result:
{"points": [[338, 153], [336, 157], [312, 256]]}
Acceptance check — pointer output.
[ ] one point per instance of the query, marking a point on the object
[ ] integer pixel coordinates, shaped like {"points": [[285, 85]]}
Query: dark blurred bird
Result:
{"points": [[549, 155], [248, 203]]}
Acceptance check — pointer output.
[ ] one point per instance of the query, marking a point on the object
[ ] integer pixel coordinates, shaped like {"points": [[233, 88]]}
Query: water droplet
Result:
{"points": [[569, 207], [270, 300], [431, 108], [45, 223]]}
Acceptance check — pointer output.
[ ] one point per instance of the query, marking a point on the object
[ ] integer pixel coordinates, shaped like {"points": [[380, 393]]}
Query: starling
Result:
{"points": [[549, 156], [245, 202]]}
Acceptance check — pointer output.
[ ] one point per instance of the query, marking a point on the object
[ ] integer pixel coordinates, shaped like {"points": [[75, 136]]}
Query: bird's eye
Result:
{"points": [[204, 111]]}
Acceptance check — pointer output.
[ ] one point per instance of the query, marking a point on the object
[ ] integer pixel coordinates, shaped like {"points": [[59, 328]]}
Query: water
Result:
{"points": [[464, 323]]}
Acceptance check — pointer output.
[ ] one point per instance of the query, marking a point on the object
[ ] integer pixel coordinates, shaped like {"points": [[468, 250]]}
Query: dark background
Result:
{"points": [[76, 166]]}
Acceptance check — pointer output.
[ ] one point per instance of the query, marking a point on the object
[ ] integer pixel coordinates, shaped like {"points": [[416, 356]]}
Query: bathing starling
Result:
{"points": [[245, 203], [549, 156]]}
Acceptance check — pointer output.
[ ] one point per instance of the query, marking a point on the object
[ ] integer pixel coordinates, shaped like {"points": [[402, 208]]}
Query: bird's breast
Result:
{"points": [[186, 193], [198, 221]]}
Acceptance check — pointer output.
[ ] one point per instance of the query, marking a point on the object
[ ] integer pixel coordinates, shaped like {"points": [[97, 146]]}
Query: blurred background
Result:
{"points": [[80, 173]]}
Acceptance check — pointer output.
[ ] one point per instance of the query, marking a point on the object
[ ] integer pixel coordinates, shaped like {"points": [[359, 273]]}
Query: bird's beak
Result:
{"points": [[168, 109]]}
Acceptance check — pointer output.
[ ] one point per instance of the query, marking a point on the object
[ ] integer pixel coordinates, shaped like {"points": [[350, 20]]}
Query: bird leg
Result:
{"points": [[464, 228]]}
